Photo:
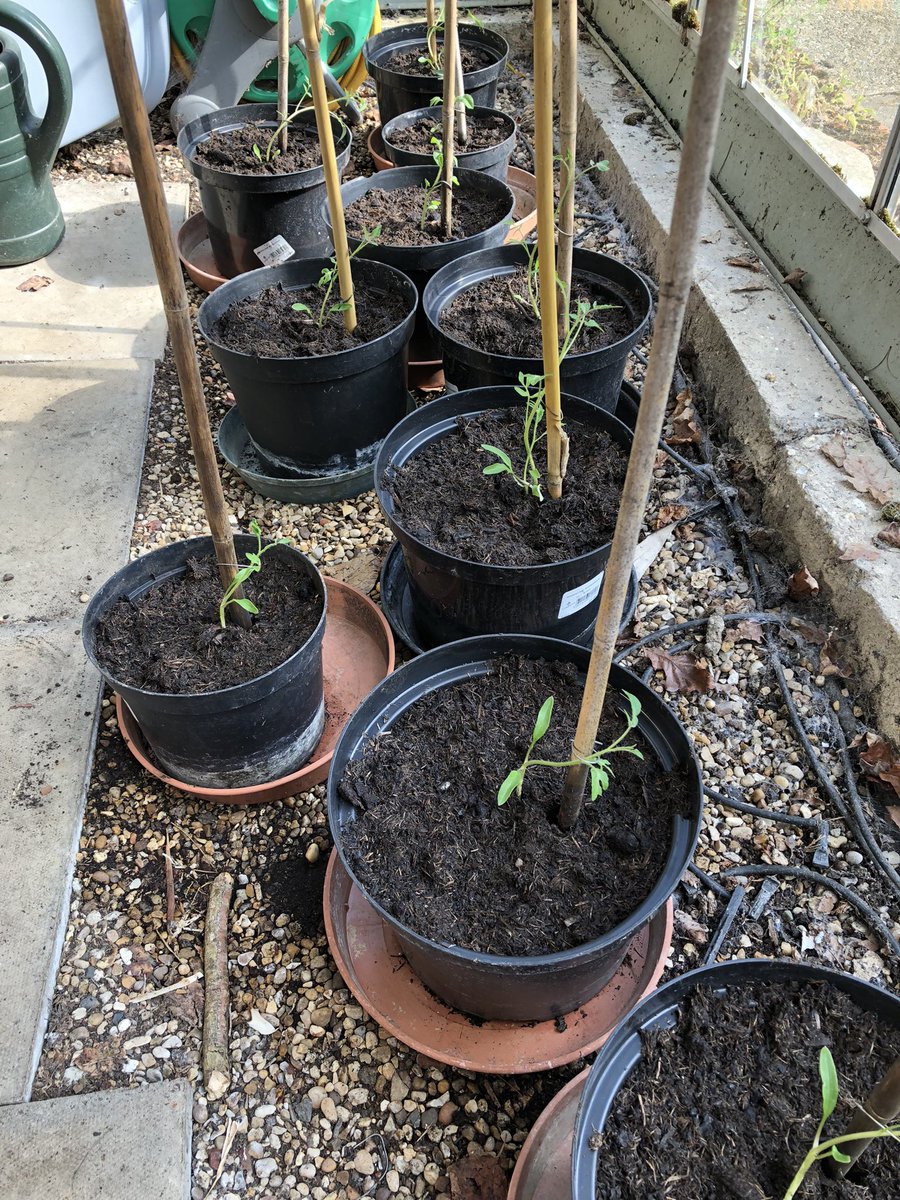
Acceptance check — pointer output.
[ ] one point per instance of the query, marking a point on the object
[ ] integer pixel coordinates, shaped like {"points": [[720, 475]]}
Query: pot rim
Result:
{"points": [[95, 610], [416, 31], [543, 647], [442, 556], [415, 114]]}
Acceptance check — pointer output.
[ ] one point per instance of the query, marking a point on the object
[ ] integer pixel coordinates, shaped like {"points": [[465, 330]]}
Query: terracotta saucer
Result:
{"points": [[358, 653], [376, 972], [544, 1166], [195, 252]]}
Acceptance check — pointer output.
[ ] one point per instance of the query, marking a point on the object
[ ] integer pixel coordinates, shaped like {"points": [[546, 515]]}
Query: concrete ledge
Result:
{"points": [[772, 388]]}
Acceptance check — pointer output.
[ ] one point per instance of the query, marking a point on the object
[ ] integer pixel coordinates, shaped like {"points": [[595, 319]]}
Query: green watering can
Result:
{"points": [[31, 221]]}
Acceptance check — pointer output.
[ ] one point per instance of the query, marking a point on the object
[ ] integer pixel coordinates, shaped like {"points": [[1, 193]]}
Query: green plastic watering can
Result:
{"points": [[31, 221]]}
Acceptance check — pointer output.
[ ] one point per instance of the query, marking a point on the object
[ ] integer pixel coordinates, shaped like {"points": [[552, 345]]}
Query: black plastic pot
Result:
{"points": [[454, 598], [421, 262], [498, 987], [494, 160], [244, 212], [323, 416], [236, 737], [620, 1055], [595, 375], [399, 93]]}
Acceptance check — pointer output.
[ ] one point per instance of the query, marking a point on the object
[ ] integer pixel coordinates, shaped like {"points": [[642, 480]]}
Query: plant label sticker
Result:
{"points": [[579, 596], [275, 251]]}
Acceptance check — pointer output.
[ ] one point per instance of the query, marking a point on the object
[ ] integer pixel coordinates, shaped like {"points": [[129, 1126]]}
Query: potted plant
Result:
{"points": [[738, 1078], [442, 801], [484, 311], [220, 705], [462, 483], [262, 203], [491, 137]]}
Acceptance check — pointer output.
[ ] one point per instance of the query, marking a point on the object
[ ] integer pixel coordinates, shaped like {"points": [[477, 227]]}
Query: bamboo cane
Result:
{"points": [[431, 30], [675, 274], [881, 1108], [329, 161], [461, 96], [284, 50], [136, 127], [448, 132], [568, 134], [216, 1000], [543, 155]]}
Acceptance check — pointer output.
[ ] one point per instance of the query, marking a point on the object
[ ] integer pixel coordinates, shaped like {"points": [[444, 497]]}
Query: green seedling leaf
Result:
{"points": [[634, 709], [496, 469], [244, 603], [829, 1077], [253, 559], [596, 785], [257, 153], [542, 724], [838, 1156], [501, 454], [300, 307], [510, 784]]}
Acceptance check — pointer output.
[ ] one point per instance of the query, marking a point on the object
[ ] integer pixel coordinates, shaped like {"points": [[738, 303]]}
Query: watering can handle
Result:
{"points": [[43, 142]]}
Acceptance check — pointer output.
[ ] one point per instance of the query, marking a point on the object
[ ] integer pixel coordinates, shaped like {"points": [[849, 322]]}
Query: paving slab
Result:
{"points": [[102, 301], [104, 1146]]}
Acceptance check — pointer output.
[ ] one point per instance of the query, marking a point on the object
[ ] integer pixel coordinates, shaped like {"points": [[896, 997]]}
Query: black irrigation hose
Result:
{"points": [[824, 881], [764, 814], [760, 618]]}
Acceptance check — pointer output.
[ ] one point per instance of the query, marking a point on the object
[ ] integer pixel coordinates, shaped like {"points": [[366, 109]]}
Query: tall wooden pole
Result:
{"points": [[543, 155], [448, 132], [882, 1107], [284, 51], [136, 127], [329, 161], [568, 136], [431, 32], [676, 271], [461, 95]]}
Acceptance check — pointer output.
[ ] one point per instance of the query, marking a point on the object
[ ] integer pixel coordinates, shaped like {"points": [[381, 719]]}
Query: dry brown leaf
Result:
{"points": [[813, 633], [833, 658], [836, 451], [893, 811], [802, 583], [691, 928], [890, 535], [752, 287], [857, 551], [34, 283], [869, 479], [120, 164], [669, 513], [478, 1177], [684, 426], [880, 761], [794, 277], [681, 672], [748, 261], [748, 631]]}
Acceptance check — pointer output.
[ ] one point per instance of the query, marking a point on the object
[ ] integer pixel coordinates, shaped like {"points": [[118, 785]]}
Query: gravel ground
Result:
{"points": [[321, 1102]]}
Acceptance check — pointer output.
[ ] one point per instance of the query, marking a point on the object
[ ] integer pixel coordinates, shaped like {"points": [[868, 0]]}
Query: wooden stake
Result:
{"points": [[136, 127], [431, 32], [216, 1000], [543, 155], [448, 132], [461, 95], [881, 1108], [284, 51], [676, 270], [568, 136], [329, 161]]}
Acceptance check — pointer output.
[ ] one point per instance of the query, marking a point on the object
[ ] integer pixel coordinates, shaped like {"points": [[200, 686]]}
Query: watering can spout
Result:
{"points": [[31, 222]]}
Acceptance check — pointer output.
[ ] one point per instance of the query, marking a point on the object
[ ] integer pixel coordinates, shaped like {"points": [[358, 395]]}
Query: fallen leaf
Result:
{"points": [[478, 1177], [832, 660], [120, 164], [260, 1023], [649, 548], [836, 451], [869, 479], [34, 283], [890, 535], [857, 551], [748, 261], [752, 287], [879, 761], [813, 633], [669, 513], [893, 811], [802, 583], [361, 571], [691, 928], [794, 277], [684, 426], [748, 631], [681, 672]]}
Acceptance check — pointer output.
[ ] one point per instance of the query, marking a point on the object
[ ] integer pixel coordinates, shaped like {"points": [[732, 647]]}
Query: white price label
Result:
{"points": [[275, 251], [580, 596]]}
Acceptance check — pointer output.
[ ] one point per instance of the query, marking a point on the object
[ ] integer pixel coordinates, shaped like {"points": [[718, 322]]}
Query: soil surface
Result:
{"points": [[399, 213], [232, 150], [488, 316], [443, 497], [170, 640], [727, 1102], [406, 62], [483, 132], [431, 844], [268, 326]]}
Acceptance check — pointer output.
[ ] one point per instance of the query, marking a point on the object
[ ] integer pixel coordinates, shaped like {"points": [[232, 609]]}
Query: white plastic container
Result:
{"points": [[75, 24]]}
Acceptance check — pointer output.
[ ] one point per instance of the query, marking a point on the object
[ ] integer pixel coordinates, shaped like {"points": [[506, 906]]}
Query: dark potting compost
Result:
{"points": [[727, 1101], [488, 315], [443, 497], [268, 326], [409, 62], [432, 846], [399, 213], [170, 639], [483, 132], [233, 150]]}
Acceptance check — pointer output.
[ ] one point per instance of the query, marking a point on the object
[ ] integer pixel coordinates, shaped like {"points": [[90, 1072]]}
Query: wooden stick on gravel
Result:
{"points": [[557, 442], [881, 1108], [448, 132], [136, 127], [676, 271], [568, 136], [284, 52], [216, 999], [329, 161]]}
